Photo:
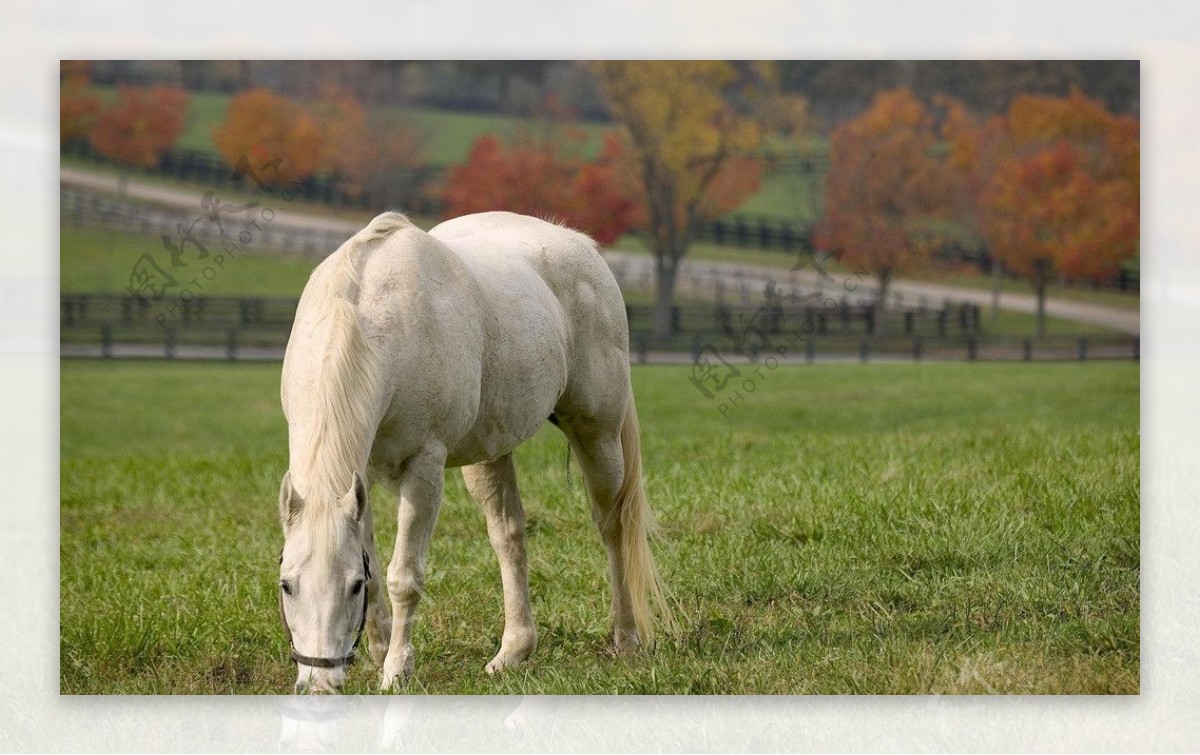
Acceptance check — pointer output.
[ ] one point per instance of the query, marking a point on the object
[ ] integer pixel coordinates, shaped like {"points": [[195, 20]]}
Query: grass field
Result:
{"points": [[929, 528]]}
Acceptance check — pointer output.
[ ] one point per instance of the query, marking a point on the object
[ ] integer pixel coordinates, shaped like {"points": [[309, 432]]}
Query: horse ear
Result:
{"points": [[359, 491], [289, 502]]}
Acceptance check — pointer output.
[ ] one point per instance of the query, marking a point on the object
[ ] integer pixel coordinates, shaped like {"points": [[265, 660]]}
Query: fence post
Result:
{"points": [[231, 345], [941, 322], [1082, 349], [908, 323], [917, 349], [863, 349], [810, 350], [169, 343], [106, 342], [641, 349], [1028, 349], [971, 349]]}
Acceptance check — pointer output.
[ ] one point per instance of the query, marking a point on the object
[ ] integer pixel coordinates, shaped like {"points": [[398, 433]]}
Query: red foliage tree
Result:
{"points": [[882, 183], [546, 178], [140, 126], [609, 201], [78, 106]]}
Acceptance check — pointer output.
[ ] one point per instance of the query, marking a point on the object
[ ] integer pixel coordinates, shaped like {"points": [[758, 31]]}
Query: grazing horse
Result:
{"points": [[412, 352]]}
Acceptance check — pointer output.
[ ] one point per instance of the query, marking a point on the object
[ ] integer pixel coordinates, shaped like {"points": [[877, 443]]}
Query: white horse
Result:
{"points": [[412, 352]]}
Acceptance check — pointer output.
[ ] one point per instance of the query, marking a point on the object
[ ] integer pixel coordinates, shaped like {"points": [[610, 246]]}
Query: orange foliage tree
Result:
{"points": [[141, 125], [78, 106], [882, 183], [262, 126], [693, 141], [546, 177], [1053, 186]]}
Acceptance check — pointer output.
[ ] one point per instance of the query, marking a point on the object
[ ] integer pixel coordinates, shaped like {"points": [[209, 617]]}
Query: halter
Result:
{"points": [[345, 660]]}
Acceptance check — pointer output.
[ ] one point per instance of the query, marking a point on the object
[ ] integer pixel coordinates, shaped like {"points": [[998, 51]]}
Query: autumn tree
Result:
{"points": [[78, 105], [367, 156], [882, 183], [1053, 187], [546, 177], [975, 150], [141, 125], [693, 141], [263, 126]]}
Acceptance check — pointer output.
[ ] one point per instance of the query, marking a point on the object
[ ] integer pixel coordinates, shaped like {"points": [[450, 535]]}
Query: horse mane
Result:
{"points": [[345, 396]]}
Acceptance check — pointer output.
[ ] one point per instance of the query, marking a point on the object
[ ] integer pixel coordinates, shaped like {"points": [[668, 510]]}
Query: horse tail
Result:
{"points": [[350, 371], [646, 591]]}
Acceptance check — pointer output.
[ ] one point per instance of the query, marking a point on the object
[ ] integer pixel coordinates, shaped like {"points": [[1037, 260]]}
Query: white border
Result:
{"points": [[36, 35]]}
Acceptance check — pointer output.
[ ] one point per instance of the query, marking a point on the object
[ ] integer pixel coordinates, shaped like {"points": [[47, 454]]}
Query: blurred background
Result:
{"points": [[811, 209]]}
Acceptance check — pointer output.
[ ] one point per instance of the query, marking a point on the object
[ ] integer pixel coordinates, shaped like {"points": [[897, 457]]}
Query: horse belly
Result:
{"points": [[524, 373]]}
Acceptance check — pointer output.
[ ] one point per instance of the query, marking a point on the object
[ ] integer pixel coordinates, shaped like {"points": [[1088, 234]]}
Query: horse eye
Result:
{"points": [[357, 587], [286, 587]]}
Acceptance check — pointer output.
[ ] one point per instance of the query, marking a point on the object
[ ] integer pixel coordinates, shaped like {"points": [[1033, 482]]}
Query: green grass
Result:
{"points": [[99, 261], [929, 528]]}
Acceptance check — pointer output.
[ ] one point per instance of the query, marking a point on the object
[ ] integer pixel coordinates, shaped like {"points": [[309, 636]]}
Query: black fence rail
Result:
{"points": [[233, 328], [705, 320]]}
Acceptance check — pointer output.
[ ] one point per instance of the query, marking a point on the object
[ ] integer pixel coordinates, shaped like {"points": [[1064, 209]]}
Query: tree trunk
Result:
{"points": [[997, 280], [1039, 287], [885, 279], [665, 269]]}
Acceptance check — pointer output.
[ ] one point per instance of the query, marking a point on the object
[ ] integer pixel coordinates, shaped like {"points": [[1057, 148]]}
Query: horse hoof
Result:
{"points": [[502, 663], [626, 643], [396, 670]]}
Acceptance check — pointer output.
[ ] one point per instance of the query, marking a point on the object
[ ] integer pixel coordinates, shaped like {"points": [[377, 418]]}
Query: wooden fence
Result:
{"points": [[233, 327]]}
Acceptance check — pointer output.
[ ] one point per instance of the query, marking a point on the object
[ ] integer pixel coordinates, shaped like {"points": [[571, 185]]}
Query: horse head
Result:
{"points": [[323, 574]]}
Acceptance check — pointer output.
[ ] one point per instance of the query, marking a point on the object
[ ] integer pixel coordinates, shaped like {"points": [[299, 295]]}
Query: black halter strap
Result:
{"points": [[345, 660]]}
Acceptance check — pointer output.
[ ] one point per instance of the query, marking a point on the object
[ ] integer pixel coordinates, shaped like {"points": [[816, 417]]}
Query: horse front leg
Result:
{"points": [[379, 620], [420, 498], [494, 485]]}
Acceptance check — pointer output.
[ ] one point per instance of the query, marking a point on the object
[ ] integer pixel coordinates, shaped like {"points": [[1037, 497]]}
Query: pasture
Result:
{"points": [[899, 528]]}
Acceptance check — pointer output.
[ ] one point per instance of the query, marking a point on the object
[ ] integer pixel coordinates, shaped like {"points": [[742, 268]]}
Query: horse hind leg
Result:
{"points": [[598, 446], [493, 485]]}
